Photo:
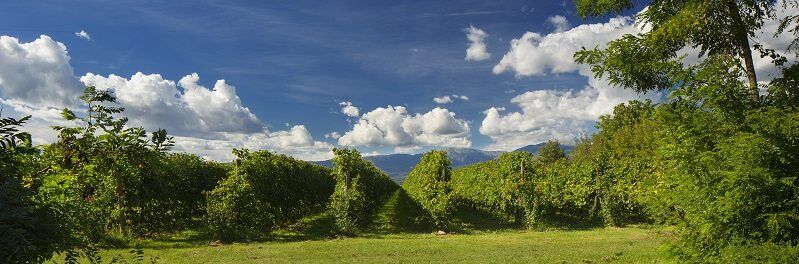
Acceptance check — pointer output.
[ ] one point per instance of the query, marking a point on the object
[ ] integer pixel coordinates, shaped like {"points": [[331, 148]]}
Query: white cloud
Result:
{"points": [[556, 114], [350, 110], [84, 35], [394, 126], [153, 102], [553, 114], [37, 73], [37, 79], [534, 54], [477, 47], [443, 99], [559, 22], [333, 135], [296, 142], [449, 99]]}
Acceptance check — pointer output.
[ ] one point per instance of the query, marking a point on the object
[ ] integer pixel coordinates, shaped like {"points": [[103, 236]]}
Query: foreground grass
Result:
{"points": [[616, 245]]}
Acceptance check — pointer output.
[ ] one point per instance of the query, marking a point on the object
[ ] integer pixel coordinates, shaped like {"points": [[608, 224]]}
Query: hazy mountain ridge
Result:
{"points": [[397, 166]]}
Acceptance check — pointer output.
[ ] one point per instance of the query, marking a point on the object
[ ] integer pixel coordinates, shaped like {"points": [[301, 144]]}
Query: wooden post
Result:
{"points": [[347, 181]]}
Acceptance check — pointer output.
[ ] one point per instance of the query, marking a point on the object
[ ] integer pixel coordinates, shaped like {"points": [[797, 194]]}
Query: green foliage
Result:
{"points": [[550, 152], [757, 253], [601, 7], [29, 231], [360, 190], [495, 186], [712, 159], [725, 182], [429, 184], [650, 60], [117, 171], [10, 134], [189, 178], [559, 194], [620, 160], [265, 190]]}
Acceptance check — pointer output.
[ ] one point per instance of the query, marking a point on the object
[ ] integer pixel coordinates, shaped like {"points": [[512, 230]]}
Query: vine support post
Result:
{"points": [[347, 181]]}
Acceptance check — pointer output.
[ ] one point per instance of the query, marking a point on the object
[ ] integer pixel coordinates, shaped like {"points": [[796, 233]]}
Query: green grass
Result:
{"points": [[605, 245], [402, 233]]}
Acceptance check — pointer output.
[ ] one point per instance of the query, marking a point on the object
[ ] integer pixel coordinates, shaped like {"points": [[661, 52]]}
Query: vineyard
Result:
{"points": [[118, 188], [710, 174]]}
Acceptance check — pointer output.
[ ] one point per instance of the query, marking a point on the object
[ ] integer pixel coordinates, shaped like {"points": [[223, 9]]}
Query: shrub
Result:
{"points": [[495, 186], [189, 179], [265, 190], [359, 191], [429, 184]]}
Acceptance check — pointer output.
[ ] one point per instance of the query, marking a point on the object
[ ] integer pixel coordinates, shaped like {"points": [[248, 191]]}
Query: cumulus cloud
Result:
{"points": [[350, 110], [556, 114], [449, 98], [296, 142], [394, 126], [477, 47], [553, 114], [83, 35], [536, 55], [559, 22], [37, 79], [37, 73], [151, 101]]}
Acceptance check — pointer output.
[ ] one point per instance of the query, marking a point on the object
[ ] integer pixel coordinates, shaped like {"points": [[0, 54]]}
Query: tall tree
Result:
{"points": [[648, 61]]}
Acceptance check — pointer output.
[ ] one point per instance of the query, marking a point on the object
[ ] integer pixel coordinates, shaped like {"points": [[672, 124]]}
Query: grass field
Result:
{"points": [[605, 245], [397, 235]]}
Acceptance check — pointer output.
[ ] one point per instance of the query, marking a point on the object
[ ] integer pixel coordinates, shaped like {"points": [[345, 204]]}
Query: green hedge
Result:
{"points": [[429, 184], [265, 190], [361, 188], [495, 186]]}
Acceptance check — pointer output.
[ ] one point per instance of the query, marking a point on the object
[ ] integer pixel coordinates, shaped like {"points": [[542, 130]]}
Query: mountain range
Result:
{"points": [[397, 166]]}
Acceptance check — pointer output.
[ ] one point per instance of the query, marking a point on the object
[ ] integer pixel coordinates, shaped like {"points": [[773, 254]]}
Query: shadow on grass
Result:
{"points": [[401, 215], [468, 220]]}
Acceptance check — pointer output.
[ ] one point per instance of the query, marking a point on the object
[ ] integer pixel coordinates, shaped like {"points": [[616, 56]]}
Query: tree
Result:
{"points": [[29, 232], [111, 162], [649, 60], [550, 152]]}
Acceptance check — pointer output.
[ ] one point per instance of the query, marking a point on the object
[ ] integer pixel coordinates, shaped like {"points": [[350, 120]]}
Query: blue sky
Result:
{"points": [[293, 62]]}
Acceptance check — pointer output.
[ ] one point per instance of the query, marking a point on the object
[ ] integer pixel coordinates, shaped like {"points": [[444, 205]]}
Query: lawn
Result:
{"points": [[602, 245]]}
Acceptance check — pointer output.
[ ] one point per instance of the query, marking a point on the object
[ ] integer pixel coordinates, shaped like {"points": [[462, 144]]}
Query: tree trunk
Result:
{"points": [[746, 51]]}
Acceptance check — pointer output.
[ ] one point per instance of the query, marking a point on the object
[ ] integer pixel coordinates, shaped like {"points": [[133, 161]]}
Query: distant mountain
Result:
{"points": [[399, 165], [534, 148]]}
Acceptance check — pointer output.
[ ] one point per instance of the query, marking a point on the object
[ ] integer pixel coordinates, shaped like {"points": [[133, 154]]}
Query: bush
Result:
{"points": [[361, 188], [189, 178], [757, 253], [265, 190], [495, 186], [429, 184]]}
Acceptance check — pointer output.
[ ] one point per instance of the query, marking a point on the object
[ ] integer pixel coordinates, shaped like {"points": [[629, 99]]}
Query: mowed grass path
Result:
{"points": [[605, 245]]}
